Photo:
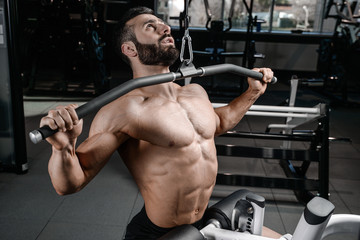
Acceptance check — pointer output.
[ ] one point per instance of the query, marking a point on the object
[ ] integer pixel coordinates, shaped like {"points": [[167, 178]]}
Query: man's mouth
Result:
{"points": [[168, 40]]}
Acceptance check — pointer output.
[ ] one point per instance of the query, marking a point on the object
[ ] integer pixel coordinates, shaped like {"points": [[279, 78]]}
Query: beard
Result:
{"points": [[156, 54]]}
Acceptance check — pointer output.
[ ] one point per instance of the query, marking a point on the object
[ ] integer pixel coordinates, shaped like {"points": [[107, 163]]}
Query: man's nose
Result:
{"points": [[164, 28]]}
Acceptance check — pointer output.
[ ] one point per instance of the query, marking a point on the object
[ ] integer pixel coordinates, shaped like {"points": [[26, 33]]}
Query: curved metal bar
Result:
{"points": [[343, 223], [100, 101], [268, 108]]}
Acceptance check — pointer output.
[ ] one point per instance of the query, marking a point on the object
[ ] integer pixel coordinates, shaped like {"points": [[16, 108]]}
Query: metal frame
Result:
{"points": [[16, 133]]}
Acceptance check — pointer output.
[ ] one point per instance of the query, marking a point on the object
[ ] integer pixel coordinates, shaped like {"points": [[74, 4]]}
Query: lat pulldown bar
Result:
{"points": [[100, 101]]}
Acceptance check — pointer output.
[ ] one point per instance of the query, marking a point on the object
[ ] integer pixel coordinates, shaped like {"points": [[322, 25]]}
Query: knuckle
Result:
{"points": [[53, 125], [60, 123], [62, 111], [52, 113]]}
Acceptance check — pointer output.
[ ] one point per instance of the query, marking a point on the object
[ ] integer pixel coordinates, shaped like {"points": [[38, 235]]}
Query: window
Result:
{"points": [[272, 15]]}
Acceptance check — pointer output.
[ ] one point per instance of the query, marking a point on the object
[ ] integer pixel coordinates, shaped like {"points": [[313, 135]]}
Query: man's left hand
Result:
{"points": [[257, 86]]}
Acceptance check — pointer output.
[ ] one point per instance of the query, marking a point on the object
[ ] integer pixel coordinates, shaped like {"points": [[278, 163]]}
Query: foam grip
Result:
{"points": [[314, 219], [222, 210], [183, 232]]}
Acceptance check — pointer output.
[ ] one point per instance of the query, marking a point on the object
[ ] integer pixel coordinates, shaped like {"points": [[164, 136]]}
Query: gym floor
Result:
{"points": [[31, 209]]}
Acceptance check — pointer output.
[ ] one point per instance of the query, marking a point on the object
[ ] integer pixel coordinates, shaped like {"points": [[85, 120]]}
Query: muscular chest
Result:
{"points": [[178, 123]]}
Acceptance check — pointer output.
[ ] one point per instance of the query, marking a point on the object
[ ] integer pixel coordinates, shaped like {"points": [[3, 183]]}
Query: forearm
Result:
{"points": [[65, 171], [231, 114]]}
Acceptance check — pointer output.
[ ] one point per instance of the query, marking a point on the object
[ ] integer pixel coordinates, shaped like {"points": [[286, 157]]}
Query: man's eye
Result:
{"points": [[150, 26]]}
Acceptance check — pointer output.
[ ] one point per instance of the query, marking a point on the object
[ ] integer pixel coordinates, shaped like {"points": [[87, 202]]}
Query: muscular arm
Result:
{"points": [[230, 115], [71, 169]]}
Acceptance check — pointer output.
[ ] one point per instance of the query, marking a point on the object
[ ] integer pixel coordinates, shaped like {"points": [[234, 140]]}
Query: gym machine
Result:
{"points": [[240, 216]]}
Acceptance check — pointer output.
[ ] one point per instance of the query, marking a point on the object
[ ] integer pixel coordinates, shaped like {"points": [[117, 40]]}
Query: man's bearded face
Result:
{"points": [[157, 54]]}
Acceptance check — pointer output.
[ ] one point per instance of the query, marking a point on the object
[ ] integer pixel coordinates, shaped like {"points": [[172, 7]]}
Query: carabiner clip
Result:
{"points": [[186, 38]]}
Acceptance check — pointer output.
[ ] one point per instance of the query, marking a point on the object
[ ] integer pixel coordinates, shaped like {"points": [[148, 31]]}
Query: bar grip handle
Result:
{"points": [[39, 134], [226, 68]]}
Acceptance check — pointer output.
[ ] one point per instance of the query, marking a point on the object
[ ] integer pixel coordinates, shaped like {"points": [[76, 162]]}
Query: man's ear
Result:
{"points": [[129, 49]]}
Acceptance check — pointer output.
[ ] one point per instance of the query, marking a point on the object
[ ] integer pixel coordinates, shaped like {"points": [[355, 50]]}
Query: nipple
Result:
{"points": [[171, 143]]}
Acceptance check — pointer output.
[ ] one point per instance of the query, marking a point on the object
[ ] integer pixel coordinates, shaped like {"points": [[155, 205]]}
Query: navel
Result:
{"points": [[197, 211]]}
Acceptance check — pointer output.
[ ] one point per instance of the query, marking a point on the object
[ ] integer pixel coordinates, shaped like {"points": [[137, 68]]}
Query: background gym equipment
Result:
{"points": [[66, 46], [100, 101], [12, 126], [296, 179], [217, 29], [338, 55]]}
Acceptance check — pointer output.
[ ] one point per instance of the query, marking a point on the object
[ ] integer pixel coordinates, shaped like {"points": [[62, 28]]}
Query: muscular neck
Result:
{"points": [[165, 89], [140, 70]]}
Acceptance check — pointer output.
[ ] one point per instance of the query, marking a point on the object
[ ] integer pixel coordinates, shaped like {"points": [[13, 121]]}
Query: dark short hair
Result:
{"points": [[124, 33]]}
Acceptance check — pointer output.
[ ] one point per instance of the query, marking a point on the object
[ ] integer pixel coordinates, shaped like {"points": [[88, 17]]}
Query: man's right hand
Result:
{"points": [[65, 119]]}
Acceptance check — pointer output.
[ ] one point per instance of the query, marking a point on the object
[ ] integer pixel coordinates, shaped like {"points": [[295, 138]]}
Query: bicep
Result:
{"points": [[220, 115]]}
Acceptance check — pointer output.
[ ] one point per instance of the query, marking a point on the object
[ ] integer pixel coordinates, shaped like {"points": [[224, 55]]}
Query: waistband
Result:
{"points": [[198, 224]]}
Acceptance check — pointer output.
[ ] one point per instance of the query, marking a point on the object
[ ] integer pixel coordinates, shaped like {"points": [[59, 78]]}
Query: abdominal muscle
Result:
{"points": [[175, 182]]}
